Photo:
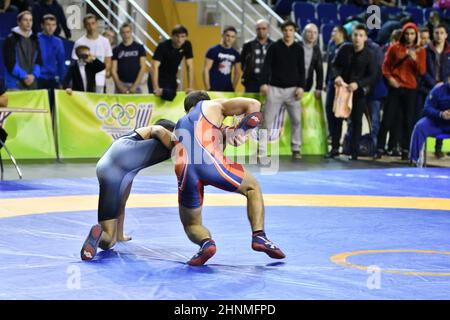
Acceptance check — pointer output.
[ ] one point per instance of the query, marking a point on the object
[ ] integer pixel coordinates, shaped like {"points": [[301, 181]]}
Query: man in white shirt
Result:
{"points": [[99, 47]]}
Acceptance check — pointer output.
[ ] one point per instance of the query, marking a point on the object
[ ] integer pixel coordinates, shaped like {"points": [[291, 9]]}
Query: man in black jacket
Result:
{"points": [[22, 55], [355, 69], [81, 73], [283, 80], [253, 55], [313, 59]]}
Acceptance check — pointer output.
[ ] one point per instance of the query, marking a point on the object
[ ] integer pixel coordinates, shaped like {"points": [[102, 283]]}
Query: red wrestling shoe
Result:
{"points": [[207, 250], [89, 249], [261, 243]]}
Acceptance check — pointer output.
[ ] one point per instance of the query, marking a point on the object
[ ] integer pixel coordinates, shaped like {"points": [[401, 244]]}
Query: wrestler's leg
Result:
{"points": [[255, 203], [192, 224], [255, 212], [121, 236]]}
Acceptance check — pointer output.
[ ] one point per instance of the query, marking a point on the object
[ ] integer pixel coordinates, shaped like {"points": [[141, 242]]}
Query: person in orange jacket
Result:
{"points": [[404, 62]]}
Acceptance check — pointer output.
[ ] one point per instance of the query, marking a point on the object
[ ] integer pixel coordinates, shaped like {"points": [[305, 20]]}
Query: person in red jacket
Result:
{"points": [[404, 62]]}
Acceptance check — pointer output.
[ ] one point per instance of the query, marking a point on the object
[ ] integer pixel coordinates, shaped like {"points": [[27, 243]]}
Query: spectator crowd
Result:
{"points": [[396, 77]]}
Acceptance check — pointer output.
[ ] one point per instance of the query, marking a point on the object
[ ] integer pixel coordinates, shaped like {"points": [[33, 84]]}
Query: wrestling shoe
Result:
{"points": [[207, 250], [261, 243], [89, 249]]}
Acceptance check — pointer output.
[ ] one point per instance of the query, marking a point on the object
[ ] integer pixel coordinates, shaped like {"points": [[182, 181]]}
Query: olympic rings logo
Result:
{"points": [[116, 114]]}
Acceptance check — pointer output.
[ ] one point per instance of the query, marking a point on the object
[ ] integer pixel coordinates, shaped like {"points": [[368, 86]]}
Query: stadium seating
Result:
{"points": [[416, 13], [347, 10], [325, 31], [303, 11], [327, 13]]}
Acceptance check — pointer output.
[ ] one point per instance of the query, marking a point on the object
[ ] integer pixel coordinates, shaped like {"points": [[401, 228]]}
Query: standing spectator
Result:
{"points": [[111, 36], [253, 55], [283, 83], [44, 7], [166, 60], [221, 61], [99, 46], [81, 75], [438, 70], [22, 55], [355, 69], [424, 37], [313, 59], [403, 63], [338, 38], [53, 67], [128, 62]]}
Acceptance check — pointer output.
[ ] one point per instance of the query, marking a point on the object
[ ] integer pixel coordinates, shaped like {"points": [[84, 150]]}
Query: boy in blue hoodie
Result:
{"points": [[436, 119], [53, 67], [22, 55]]}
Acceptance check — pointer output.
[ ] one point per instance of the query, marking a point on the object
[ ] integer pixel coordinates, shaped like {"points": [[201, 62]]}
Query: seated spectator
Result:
{"points": [[128, 62], [222, 61], [166, 60], [44, 7], [22, 55], [436, 120], [387, 3], [53, 67], [81, 73], [111, 36], [253, 55]]}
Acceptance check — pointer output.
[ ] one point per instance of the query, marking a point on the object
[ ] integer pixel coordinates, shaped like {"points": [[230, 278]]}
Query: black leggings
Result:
{"points": [[119, 165], [398, 116]]}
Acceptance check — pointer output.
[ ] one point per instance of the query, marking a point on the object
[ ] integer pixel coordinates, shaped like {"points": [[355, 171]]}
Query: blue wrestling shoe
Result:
{"points": [[262, 244], [207, 250], [89, 249]]}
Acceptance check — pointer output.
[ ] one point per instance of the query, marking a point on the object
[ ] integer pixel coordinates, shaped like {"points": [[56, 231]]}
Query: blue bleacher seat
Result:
{"points": [[303, 22], [416, 13], [392, 10], [303, 11], [348, 10], [326, 31], [327, 12], [283, 7], [7, 22]]}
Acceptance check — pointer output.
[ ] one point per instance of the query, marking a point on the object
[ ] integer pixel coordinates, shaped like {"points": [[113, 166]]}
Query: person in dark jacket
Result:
{"points": [[3, 104], [81, 73], [338, 38], [253, 55], [438, 69], [44, 7], [313, 59], [22, 55], [355, 69]]}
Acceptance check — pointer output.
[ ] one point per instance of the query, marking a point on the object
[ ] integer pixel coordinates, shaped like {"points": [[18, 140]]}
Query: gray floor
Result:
{"points": [[86, 168]]}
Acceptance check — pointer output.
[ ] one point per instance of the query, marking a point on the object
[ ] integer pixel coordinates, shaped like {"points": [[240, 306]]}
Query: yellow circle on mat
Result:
{"points": [[341, 259]]}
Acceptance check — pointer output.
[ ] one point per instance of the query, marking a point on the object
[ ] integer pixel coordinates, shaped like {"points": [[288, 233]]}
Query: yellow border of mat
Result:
{"points": [[38, 205], [341, 259]]}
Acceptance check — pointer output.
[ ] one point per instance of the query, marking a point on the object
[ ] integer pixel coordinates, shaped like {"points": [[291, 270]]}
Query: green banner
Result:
{"points": [[30, 135], [87, 123]]}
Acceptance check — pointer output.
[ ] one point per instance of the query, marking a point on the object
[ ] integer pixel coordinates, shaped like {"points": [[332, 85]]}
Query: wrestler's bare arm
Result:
{"points": [[157, 132], [216, 110]]}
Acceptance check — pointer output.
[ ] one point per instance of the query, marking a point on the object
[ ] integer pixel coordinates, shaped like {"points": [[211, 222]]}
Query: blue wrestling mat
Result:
{"points": [[347, 234]]}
